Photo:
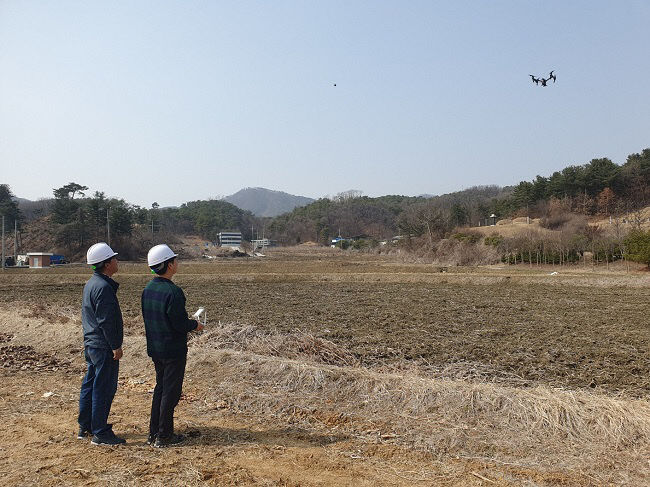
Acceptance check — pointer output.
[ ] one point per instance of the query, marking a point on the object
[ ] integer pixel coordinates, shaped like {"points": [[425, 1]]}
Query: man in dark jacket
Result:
{"points": [[166, 325], [103, 330]]}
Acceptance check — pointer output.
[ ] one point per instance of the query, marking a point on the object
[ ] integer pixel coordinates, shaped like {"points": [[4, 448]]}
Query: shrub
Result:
{"points": [[637, 244], [494, 240], [563, 221], [343, 244], [555, 221], [364, 243], [467, 237]]}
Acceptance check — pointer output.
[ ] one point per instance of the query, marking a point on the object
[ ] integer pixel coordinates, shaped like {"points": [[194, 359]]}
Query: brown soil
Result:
{"points": [[24, 357], [580, 329], [521, 327]]}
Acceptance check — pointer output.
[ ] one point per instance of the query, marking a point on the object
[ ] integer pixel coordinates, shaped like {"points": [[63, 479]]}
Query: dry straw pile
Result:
{"points": [[305, 379]]}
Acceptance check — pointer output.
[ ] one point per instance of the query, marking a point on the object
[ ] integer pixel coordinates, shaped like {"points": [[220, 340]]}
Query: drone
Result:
{"points": [[537, 81]]}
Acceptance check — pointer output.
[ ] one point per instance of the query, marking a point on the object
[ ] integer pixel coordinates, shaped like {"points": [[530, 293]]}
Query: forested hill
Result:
{"points": [[350, 214], [599, 187], [76, 220], [265, 202], [206, 218]]}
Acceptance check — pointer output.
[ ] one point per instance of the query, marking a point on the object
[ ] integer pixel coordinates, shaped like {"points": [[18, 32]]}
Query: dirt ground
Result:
{"points": [[38, 447], [581, 329]]}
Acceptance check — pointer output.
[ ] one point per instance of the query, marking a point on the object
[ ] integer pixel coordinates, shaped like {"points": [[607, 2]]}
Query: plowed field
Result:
{"points": [[582, 329], [578, 329]]}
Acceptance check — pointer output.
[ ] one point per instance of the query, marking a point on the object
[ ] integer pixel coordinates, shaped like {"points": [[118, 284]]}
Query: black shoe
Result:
{"points": [[110, 439], [83, 433], [173, 440], [151, 439]]}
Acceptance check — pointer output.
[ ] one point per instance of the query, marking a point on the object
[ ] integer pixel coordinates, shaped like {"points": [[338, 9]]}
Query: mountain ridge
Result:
{"points": [[265, 202]]}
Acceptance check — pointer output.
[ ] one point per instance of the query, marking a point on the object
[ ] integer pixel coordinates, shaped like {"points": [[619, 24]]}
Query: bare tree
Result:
{"points": [[350, 194]]}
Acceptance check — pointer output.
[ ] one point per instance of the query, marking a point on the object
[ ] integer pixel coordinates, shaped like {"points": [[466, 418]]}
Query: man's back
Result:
{"points": [[165, 319], [101, 316]]}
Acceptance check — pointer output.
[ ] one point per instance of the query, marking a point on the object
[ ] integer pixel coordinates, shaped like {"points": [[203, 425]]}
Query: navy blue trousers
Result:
{"points": [[98, 390]]}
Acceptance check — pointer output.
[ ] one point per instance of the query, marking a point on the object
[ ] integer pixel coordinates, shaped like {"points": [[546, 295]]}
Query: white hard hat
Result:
{"points": [[99, 253], [159, 254]]}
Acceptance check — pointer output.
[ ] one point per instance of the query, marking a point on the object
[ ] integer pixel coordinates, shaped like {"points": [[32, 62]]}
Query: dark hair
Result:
{"points": [[161, 268], [99, 267]]}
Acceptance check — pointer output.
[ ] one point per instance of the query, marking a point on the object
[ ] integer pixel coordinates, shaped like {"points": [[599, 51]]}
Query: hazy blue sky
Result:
{"points": [[177, 101]]}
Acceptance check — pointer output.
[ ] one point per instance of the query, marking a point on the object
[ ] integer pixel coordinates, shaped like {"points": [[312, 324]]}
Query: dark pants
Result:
{"points": [[98, 390], [167, 393]]}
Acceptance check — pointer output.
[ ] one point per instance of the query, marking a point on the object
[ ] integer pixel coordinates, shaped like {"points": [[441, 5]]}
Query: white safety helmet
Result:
{"points": [[159, 254], [99, 253]]}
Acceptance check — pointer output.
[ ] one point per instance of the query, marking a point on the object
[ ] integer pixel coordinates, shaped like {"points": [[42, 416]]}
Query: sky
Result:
{"points": [[175, 101]]}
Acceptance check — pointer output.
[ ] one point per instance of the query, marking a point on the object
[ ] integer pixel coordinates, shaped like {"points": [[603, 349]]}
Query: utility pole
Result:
{"points": [[108, 227], [15, 241], [3, 242]]}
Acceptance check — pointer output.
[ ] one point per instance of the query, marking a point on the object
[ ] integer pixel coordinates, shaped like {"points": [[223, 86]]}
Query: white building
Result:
{"points": [[230, 239], [261, 242]]}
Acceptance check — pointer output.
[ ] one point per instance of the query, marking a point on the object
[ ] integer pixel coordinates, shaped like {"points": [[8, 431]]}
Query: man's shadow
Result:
{"points": [[287, 437]]}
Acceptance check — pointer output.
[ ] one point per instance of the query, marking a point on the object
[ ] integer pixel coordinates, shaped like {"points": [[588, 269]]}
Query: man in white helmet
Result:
{"points": [[166, 325], [103, 330]]}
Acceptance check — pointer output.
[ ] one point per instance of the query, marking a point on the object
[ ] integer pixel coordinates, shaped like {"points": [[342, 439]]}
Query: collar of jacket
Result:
{"points": [[114, 285], [161, 279]]}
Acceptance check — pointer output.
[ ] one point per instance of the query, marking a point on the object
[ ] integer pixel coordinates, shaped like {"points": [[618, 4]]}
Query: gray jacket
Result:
{"points": [[101, 316]]}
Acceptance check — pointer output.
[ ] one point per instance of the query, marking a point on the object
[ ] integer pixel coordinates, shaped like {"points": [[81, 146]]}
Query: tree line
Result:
{"points": [[598, 187], [77, 219]]}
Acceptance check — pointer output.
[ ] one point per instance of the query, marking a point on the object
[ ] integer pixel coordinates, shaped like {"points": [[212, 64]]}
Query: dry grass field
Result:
{"points": [[320, 367]]}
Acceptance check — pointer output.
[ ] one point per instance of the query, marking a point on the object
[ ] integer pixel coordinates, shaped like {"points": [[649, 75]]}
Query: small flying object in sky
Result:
{"points": [[537, 81], [334, 84]]}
